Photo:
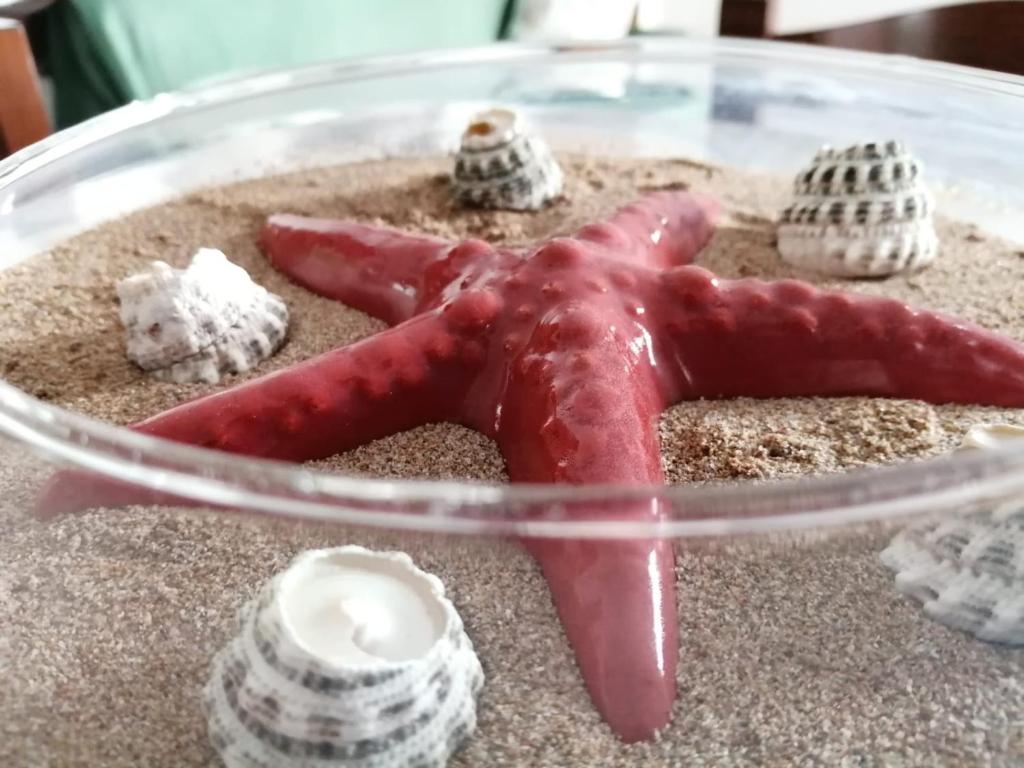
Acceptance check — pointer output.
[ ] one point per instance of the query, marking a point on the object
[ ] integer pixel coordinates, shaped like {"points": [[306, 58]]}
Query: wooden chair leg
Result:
{"points": [[23, 118], [743, 18]]}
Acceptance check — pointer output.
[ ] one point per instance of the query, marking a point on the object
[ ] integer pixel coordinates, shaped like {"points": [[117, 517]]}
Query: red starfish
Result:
{"points": [[566, 354]]}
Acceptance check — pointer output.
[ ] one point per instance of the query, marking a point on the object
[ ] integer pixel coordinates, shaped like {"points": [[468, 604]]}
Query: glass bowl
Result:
{"points": [[753, 105]]}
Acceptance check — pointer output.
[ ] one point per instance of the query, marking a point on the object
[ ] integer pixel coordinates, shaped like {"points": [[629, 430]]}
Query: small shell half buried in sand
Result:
{"points": [[500, 164], [199, 323], [967, 571], [989, 436], [348, 658], [862, 211]]}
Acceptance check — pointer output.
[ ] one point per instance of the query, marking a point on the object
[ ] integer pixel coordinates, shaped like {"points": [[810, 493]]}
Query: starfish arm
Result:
{"points": [[786, 339], [616, 599], [662, 229], [374, 269], [410, 375]]}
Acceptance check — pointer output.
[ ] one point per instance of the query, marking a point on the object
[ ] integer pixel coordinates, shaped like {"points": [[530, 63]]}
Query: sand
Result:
{"points": [[794, 649]]}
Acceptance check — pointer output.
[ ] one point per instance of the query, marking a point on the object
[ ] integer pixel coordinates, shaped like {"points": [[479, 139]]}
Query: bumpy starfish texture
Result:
{"points": [[566, 354]]}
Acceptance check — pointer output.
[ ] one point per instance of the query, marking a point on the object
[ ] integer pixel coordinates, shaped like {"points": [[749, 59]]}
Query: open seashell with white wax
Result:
{"points": [[862, 211], [347, 658], [967, 571], [501, 164], [202, 322]]}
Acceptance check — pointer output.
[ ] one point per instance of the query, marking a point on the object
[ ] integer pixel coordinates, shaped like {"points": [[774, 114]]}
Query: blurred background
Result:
{"points": [[64, 61]]}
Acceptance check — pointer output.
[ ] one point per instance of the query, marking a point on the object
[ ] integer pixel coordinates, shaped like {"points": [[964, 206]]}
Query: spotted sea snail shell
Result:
{"points": [[863, 211], [199, 323], [502, 165]]}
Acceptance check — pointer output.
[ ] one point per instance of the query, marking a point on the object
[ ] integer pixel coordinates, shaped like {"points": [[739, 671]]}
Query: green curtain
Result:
{"points": [[104, 53]]}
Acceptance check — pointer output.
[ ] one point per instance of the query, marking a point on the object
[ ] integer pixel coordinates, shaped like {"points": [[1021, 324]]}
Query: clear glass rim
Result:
{"points": [[290, 491]]}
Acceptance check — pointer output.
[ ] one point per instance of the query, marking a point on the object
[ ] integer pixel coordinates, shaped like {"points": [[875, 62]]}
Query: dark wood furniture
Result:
{"points": [[989, 35]]}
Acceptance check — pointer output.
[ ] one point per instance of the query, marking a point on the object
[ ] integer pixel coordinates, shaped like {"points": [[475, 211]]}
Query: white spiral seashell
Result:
{"points": [[967, 571], [863, 211], [501, 165], [199, 323], [348, 658]]}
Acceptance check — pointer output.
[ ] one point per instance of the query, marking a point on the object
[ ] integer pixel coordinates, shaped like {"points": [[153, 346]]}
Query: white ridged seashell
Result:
{"points": [[863, 211], [348, 658], [967, 571], [199, 323], [501, 165], [988, 436]]}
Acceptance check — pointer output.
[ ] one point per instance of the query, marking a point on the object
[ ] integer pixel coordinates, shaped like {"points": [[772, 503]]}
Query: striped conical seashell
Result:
{"points": [[502, 165], [863, 211], [276, 699], [967, 571]]}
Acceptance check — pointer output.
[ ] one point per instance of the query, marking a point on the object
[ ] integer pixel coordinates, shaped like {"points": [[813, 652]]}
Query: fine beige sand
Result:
{"points": [[795, 650]]}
